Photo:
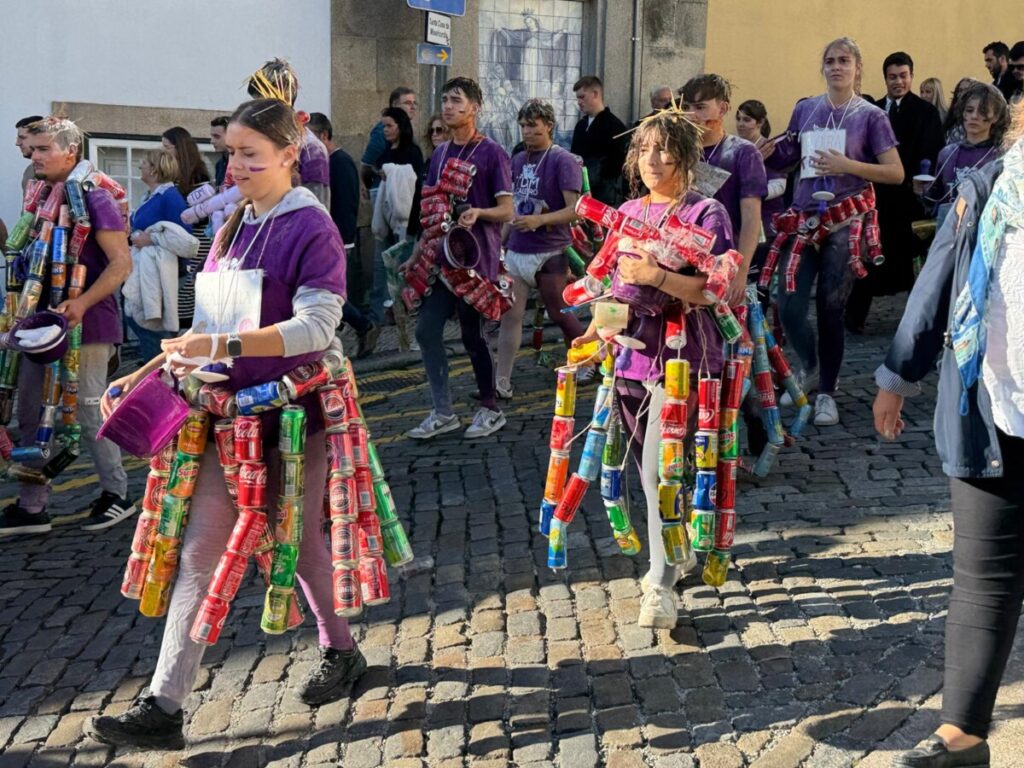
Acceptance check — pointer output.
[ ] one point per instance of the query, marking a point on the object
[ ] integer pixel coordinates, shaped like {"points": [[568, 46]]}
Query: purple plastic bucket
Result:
{"points": [[51, 352], [147, 418]]}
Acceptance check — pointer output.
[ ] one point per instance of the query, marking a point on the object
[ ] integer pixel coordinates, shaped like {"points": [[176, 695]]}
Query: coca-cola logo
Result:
{"points": [[706, 415], [253, 473], [246, 429]]}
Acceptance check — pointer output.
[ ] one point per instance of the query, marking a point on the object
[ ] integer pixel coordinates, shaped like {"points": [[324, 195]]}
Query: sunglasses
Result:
{"points": [[436, 129]]}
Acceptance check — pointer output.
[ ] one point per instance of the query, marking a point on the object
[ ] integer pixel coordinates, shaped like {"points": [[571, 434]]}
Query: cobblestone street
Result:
{"points": [[824, 649]]}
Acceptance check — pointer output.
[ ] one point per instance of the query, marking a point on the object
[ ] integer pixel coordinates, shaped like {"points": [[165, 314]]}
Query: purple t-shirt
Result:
{"points": [[703, 341], [744, 163], [493, 179], [314, 163], [102, 323], [538, 182], [954, 163], [868, 134], [300, 248]]}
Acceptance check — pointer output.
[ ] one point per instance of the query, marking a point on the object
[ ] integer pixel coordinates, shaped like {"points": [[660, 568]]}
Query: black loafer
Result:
{"points": [[933, 753]]}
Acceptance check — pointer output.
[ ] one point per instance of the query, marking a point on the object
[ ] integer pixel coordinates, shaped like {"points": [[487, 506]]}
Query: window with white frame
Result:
{"points": [[120, 158]]}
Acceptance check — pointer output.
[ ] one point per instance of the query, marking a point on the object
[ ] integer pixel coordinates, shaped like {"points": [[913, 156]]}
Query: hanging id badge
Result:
{"points": [[819, 140], [708, 179], [228, 301]]}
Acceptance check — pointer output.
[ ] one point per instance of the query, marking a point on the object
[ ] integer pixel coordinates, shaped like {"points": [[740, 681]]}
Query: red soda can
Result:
{"points": [[726, 483], [360, 445], [348, 595], [373, 579], [6, 445], [673, 420], [332, 406], [561, 432], [364, 490], [79, 234], [371, 543], [584, 289], [252, 484], [765, 385], [306, 378], [732, 374], [345, 544], [219, 401], [145, 533], [224, 434], [248, 438], [708, 390], [725, 529], [161, 461], [778, 361], [341, 497], [50, 209], [210, 620], [156, 488], [606, 259], [571, 499], [33, 195], [193, 434], [462, 166], [134, 576], [339, 454], [231, 482], [265, 560], [675, 327], [247, 531], [227, 578], [77, 282]]}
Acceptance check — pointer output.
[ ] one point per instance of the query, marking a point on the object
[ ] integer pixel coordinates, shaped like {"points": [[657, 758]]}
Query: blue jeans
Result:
{"points": [[829, 264], [149, 341], [351, 315], [379, 291]]}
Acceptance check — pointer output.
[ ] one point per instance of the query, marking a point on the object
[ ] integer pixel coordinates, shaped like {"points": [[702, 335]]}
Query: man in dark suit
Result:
{"points": [[598, 140], [997, 62], [918, 129]]}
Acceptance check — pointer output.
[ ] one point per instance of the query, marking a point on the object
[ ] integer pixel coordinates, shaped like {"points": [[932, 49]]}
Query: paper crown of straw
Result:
{"points": [[674, 110]]}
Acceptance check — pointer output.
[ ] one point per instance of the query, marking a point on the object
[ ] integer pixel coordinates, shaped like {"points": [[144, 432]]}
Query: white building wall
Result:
{"points": [[186, 54]]}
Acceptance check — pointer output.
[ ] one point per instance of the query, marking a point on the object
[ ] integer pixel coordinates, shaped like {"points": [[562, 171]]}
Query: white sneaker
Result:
{"points": [[586, 374], [802, 378], [681, 571], [825, 412], [503, 388], [434, 425], [486, 422], [659, 608]]}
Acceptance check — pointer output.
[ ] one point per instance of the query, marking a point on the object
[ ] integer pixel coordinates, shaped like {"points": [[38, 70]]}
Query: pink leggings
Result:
{"points": [[210, 522]]}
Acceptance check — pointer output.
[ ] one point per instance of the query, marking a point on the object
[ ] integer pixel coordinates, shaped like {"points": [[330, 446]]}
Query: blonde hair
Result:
{"points": [[64, 132], [938, 99], [849, 45], [164, 165]]}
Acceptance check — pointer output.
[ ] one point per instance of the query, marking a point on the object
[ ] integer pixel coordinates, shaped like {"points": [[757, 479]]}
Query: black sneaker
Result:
{"points": [[933, 753], [14, 520], [368, 341], [109, 509], [144, 725], [328, 680]]}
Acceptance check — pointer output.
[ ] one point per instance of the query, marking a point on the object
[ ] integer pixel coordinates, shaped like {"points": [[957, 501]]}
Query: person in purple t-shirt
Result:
{"points": [[546, 182], [842, 145], [56, 149], [663, 155], [488, 206], [752, 124], [287, 234], [731, 169]]}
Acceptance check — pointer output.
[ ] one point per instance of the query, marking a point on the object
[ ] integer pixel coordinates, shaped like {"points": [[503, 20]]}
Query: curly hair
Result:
{"points": [[675, 134]]}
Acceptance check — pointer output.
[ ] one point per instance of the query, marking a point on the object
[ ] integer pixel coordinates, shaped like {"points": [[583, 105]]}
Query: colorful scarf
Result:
{"points": [[1005, 208]]}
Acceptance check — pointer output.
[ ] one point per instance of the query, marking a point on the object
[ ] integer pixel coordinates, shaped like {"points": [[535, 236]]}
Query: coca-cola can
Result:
{"points": [[725, 529], [224, 435], [360, 445], [247, 531], [348, 596], [341, 498], [725, 482], [344, 544], [231, 481], [332, 406], [707, 403], [561, 432], [210, 620], [373, 579], [156, 487], [252, 484], [248, 438], [732, 373], [371, 540], [227, 578], [364, 490]]}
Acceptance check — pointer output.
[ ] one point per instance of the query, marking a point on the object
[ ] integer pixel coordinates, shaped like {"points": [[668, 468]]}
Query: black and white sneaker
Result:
{"points": [[109, 509], [336, 671], [144, 725], [14, 521]]}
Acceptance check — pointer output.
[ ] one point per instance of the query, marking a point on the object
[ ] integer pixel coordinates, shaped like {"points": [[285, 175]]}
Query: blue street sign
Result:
{"points": [[451, 7], [438, 55]]}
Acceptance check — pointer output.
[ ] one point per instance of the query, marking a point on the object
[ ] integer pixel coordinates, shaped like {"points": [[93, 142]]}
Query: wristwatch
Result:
{"points": [[234, 346]]}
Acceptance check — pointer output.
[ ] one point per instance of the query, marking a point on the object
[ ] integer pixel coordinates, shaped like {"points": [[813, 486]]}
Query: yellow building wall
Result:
{"points": [[771, 49]]}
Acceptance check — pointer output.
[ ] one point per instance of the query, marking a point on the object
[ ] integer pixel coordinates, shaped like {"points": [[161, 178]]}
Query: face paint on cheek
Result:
{"points": [[256, 168]]}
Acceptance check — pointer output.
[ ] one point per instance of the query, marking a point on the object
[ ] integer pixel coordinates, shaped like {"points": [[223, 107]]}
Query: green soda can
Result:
{"points": [[576, 263], [729, 442], [173, 513], [612, 453], [190, 387], [376, 467], [673, 538], [293, 475], [703, 530], [293, 430], [9, 372], [585, 187], [282, 569], [397, 550], [618, 518], [385, 503], [726, 321], [18, 236], [275, 610], [716, 568]]}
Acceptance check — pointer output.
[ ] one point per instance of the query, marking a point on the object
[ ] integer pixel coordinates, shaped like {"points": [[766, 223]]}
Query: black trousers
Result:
{"points": [[988, 589]]}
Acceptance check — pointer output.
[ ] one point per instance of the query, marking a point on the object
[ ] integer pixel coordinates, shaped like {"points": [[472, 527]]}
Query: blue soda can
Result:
{"points": [[611, 483], [547, 513], [590, 461], [766, 460], [76, 198], [704, 491], [772, 420], [556, 545], [602, 407], [37, 264], [803, 415], [261, 398], [21, 454]]}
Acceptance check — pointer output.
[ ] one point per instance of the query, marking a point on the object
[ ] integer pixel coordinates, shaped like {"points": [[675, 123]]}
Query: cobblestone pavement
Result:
{"points": [[823, 649]]}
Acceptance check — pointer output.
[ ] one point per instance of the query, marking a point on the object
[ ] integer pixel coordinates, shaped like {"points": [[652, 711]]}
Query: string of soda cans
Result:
{"points": [[366, 534]]}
